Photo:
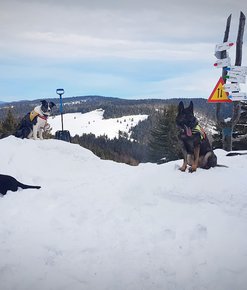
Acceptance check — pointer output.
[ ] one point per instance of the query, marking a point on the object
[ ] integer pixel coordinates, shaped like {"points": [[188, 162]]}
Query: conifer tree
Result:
{"points": [[217, 138], [9, 124], [164, 140], [240, 132], [1, 129]]}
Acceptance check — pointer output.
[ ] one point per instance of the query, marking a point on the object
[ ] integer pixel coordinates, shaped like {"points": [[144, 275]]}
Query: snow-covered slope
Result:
{"points": [[94, 122], [206, 123], [97, 224]]}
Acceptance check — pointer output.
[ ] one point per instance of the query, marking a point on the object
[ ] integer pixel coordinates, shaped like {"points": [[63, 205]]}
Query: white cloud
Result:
{"points": [[73, 46], [136, 29], [49, 33]]}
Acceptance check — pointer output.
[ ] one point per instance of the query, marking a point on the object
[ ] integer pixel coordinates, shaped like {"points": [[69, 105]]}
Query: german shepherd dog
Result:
{"points": [[197, 151]]}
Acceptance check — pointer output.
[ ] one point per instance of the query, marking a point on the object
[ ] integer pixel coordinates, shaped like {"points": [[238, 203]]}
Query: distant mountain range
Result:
{"points": [[113, 107]]}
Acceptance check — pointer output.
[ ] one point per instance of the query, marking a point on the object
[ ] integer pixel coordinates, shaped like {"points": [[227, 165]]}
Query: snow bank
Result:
{"points": [[97, 224]]}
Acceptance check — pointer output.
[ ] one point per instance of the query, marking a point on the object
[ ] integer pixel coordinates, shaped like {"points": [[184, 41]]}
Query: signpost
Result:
{"points": [[232, 87], [237, 69], [234, 74], [223, 46], [226, 126], [240, 96], [223, 62], [236, 79]]}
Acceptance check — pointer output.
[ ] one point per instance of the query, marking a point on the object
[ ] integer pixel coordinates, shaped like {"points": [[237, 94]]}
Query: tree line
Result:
{"points": [[152, 140]]}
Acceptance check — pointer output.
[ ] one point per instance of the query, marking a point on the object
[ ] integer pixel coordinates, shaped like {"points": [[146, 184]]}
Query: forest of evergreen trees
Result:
{"points": [[117, 149]]}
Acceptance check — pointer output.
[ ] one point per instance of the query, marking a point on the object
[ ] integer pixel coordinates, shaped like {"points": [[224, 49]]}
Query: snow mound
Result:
{"points": [[97, 224]]}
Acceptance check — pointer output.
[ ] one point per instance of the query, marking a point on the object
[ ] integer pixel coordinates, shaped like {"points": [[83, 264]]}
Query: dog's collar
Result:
{"points": [[44, 117]]}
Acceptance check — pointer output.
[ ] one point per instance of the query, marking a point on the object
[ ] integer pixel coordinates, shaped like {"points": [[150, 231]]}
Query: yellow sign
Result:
{"points": [[219, 95]]}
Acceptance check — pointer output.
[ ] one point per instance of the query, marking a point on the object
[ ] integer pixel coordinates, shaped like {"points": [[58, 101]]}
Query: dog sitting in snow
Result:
{"points": [[195, 145], [10, 183], [35, 122]]}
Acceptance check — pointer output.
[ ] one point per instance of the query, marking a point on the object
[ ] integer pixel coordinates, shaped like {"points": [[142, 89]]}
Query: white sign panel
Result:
{"points": [[238, 97], [235, 74], [236, 79], [239, 94], [223, 46], [231, 87], [238, 69], [223, 62]]}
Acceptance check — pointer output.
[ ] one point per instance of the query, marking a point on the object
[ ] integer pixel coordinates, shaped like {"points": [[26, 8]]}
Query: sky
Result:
{"points": [[129, 49]]}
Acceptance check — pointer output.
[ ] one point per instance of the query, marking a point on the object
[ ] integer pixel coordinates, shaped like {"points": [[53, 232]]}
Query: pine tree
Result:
{"points": [[8, 125], [240, 130], [1, 129], [217, 138], [164, 140]]}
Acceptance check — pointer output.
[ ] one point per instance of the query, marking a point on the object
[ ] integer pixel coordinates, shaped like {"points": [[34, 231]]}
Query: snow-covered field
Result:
{"points": [[93, 122], [100, 225]]}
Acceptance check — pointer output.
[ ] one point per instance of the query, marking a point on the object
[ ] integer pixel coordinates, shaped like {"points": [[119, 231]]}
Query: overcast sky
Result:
{"points": [[128, 49]]}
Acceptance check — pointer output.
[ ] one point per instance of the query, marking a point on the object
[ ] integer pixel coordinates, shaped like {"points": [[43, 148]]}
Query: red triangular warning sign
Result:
{"points": [[219, 95]]}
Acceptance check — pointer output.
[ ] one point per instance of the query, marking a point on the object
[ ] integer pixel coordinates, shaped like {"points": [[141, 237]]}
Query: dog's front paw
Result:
{"points": [[182, 168], [192, 169]]}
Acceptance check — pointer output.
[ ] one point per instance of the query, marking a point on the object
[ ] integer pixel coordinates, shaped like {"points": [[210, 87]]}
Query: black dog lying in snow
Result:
{"points": [[10, 183], [195, 145]]}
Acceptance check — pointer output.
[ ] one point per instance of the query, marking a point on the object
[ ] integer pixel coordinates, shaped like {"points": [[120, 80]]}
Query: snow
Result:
{"points": [[98, 224], [94, 122], [227, 119]]}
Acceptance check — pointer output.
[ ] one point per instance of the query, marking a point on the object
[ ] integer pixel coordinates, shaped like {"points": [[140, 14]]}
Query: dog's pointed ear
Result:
{"points": [[191, 106], [52, 104], [180, 107], [43, 102]]}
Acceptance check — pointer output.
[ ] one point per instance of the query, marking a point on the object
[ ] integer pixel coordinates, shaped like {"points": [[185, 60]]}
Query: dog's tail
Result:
{"points": [[235, 154], [25, 186], [221, 165], [22, 133]]}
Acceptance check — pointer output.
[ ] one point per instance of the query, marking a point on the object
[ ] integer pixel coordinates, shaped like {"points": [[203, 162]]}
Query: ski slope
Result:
{"points": [[97, 224], [94, 122]]}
